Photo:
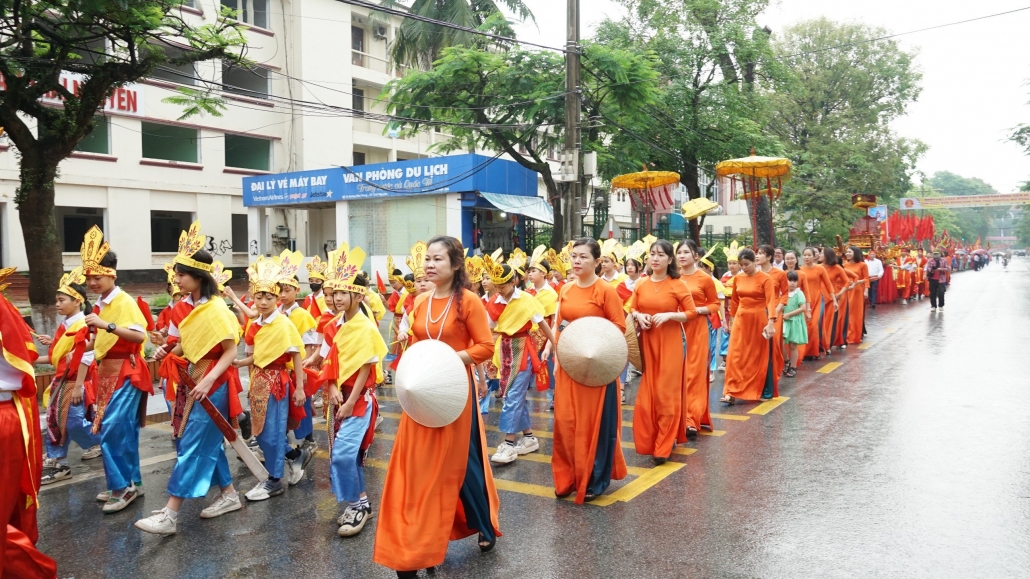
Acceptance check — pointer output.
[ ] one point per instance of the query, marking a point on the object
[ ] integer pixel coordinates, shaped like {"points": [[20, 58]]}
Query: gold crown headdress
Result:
{"points": [[649, 240], [496, 271], [264, 276], [417, 260], [732, 251], [221, 275], [93, 249], [190, 242], [517, 260], [3, 275], [564, 261], [290, 262], [637, 251], [346, 267], [540, 255], [474, 268], [74, 276], [708, 262], [316, 268], [612, 249], [330, 273], [390, 268]]}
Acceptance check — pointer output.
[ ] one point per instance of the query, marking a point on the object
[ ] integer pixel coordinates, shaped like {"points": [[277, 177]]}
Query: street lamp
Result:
{"points": [[663, 227], [600, 214]]}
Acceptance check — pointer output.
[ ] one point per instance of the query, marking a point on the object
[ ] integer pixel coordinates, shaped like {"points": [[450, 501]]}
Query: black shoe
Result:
{"points": [[658, 460], [691, 432], [245, 424], [486, 548], [55, 473], [354, 520]]}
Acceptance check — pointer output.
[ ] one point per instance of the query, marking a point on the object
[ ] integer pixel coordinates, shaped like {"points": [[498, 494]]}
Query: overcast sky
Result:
{"points": [[975, 75]]}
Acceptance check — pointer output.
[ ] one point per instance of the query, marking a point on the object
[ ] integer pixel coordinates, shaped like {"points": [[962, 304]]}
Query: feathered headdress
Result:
{"points": [[417, 260], [221, 275], [497, 255], [540, 255], [93, 249], [637, 251], [346, 267], [708, 262], [290, 262], [316, 269], [265, 275], [612, 249], [732, 251], [190, 242], [74, 276], [496, 271]]}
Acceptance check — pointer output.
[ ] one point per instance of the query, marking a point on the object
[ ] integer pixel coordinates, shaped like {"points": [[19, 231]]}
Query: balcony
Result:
{"points": [[376, 64]]}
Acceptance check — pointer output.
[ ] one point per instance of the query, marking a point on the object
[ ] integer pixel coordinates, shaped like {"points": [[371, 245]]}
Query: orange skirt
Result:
{"points": [[696, 385], [856, 316], [658, 421], [749, 363], [814, 330]]}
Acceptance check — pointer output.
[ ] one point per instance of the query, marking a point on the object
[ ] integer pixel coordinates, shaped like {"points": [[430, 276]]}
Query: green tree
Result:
{"points": [[419, 44], [833, 111], [110, 43], [715, 59], [514, 102]]}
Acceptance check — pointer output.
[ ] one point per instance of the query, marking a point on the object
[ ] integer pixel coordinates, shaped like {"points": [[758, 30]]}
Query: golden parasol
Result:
{"points": [[652, 189], [756, 176]]}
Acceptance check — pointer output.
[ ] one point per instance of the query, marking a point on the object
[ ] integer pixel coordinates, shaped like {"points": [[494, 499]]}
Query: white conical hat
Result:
{"points": [[432, 383], [592, 351]]}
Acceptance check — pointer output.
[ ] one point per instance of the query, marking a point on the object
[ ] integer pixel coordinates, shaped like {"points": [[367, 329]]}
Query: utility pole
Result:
{"points": [[574, 197]]}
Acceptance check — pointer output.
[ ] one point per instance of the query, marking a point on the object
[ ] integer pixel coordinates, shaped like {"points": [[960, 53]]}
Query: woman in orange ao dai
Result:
{"points": [[706, 301], [661, 304], [842, 280], [820, 302], [587, 420], [439, 486], [854, 324], [749, 365]]}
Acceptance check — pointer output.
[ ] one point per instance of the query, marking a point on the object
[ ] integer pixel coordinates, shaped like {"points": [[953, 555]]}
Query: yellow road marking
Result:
{"points": [[640, 484], [731, 417], [890, 330], [829, 367], [546, 459], [768, 406], [492, 409], [629, 424], [865, 345]]}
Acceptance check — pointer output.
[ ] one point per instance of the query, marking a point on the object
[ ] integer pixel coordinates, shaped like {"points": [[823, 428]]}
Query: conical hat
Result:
{"points": [[633, 344], [432, 384], [592, 351]]}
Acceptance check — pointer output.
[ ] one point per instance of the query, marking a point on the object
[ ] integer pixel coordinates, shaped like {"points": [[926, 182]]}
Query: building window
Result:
{"points": [[357, 45], [252, 82], [165, 227], [253, 12], [170, 143], [239, 233], [74, 222], [359, 158], [98, 141], [358, 102], [248, 152], [177, 73]]}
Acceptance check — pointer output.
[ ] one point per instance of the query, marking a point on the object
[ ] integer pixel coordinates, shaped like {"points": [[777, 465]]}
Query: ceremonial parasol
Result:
{"points": [[752, 178], [652, 189]]}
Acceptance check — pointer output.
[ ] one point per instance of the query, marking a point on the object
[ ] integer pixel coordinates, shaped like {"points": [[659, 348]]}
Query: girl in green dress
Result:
{"points": [[795, 332]]}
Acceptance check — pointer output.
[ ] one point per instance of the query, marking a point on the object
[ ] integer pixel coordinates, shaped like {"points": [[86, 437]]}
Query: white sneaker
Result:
{"points": [[294, 472], [50, 462], [317, 402], [92, 452], [102, 497], [345, 516], [117, 503], [933, 309], [159, 523], [353, 520], [505, 454], [266, 490], [223, 504], [379, 421], [526, 445]]}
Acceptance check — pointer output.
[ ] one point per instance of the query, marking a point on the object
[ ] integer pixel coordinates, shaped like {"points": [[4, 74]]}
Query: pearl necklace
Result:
{"points": [[443, 316]]}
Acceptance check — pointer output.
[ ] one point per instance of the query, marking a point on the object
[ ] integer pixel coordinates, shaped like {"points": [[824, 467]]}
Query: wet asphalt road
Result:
{"points": [[910, 459]]}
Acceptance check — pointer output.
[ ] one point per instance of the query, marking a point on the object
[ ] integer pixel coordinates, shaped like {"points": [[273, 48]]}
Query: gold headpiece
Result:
{"points": [[330, 273], [649, 240], [93, 249], [221, 275], [732, 251], [517, 260], [497, 255], [496, 271], [612, 249], [190, 242], [346, 267], [3, 275], [390, 268], [290, 262], [74, 276], [264, 275], [708, 262], [637, 251], [564, 261], [474, 268], [417, 260], [316, 268], [540, 254]]}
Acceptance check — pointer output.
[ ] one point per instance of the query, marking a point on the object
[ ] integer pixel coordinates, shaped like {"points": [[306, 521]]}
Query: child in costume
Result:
{"points": [[306, 326], [71, 393], [795, 330]]}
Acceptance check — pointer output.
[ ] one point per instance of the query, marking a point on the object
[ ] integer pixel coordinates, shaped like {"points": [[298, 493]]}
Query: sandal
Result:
{"points": [[691, 431], [489, 544], [727, 400], [589, 497], [562, 495], [791, 372]]}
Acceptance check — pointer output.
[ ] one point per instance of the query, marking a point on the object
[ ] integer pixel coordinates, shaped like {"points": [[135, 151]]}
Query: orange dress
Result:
{"points": [[658, 416], [819, 299], [421, 507], [779, 278], [833, 325], [749, 363], [702, 291], [856, 303], [582, 414]]}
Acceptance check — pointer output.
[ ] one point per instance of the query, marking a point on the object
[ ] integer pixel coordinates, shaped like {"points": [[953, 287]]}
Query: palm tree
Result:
{"points": [[419, 44]]}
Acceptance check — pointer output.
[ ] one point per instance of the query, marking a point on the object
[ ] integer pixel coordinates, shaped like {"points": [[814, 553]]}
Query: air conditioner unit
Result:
{"points": [[379, 32]]}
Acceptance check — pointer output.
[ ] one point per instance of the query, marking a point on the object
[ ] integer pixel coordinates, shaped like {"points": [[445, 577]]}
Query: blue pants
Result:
{"points": [[625, 374], [472, 495], [272, 439], [77, 428], [119, 437], [713, 340], [515, 412], [491, 386], [550, 371], [724, 342], [306, 425], [346, 474], [201, 461], [607, 436]]}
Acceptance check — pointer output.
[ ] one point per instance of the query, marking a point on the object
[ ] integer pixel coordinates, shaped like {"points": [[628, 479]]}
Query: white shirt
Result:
{"points": [[107, 301], [10, 379], [780, 265], [631, 283], [324, 351], [265, 321], [88, 356], [537, 318], [875, 267], [310, 337]]}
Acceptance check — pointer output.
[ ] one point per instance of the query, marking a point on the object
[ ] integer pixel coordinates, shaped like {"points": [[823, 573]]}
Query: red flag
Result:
{"points": [[145, 308], [380, 285]]}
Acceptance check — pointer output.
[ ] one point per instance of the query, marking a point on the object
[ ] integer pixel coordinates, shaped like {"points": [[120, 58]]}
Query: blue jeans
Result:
{"points": [[77, 428], [515, 412]]}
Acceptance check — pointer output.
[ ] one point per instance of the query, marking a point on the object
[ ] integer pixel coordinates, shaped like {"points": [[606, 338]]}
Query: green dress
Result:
{"points": [[795, 330]]}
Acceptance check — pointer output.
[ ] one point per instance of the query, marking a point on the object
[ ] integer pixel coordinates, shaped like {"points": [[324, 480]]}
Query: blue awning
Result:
{"points": [[532, 207]]}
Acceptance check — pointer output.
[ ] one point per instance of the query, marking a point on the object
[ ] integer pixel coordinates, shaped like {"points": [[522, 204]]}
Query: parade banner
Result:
{"points": [[955, 201]]}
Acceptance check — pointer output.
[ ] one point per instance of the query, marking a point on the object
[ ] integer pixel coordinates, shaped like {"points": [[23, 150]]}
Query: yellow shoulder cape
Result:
{"points": [[518, 313], [206, 326], [357, 341], [548, 299], [273, 339], [302, 320], [67, 342], [123, 312]]}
